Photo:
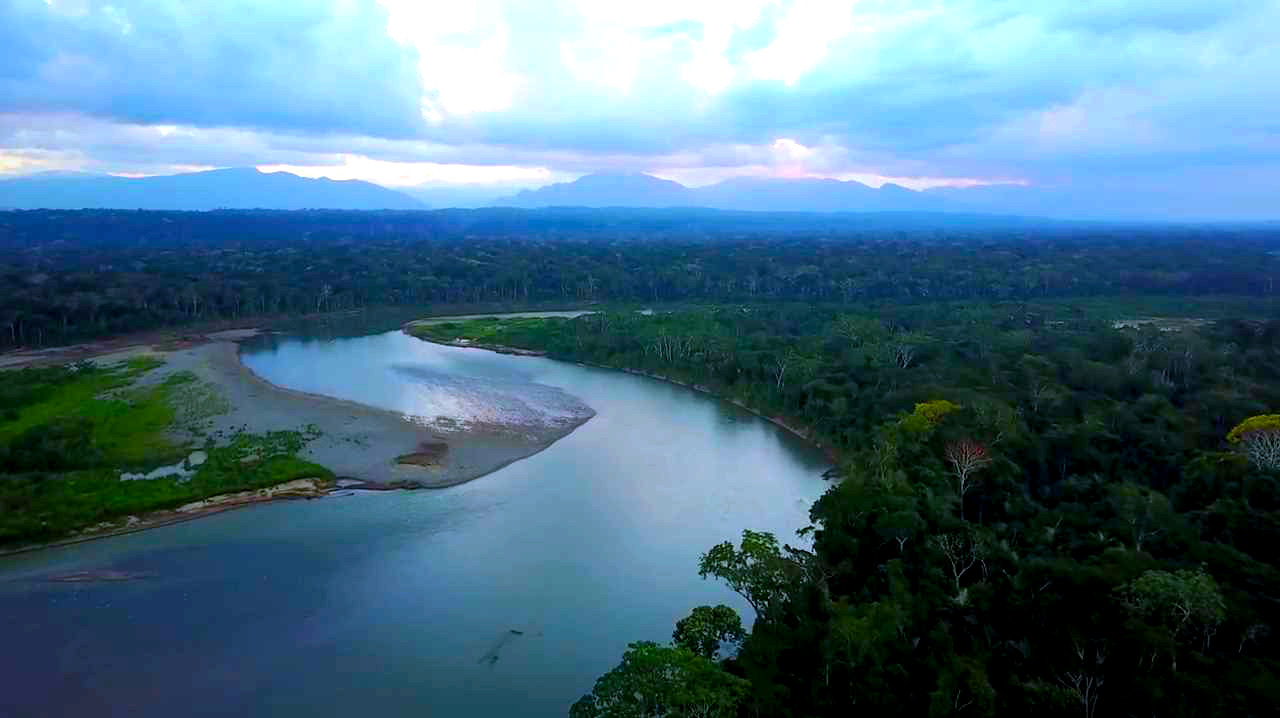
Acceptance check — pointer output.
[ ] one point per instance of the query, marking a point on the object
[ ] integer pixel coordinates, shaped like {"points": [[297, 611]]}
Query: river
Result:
{"points": [[504, 596]]}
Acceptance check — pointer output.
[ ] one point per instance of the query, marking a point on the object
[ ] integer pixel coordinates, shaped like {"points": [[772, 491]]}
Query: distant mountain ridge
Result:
{"points": [[630, 189], [740, 193], [777, 194], [247, 188], [236, 188]]}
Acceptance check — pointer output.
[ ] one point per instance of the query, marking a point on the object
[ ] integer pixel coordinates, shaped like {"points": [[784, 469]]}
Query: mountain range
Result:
{"points": [[247, 188], [1075, 202], [741, 193], [236, 188]]}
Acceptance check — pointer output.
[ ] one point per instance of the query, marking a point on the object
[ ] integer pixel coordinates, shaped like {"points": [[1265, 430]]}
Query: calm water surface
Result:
{"points": [[397, 604]]}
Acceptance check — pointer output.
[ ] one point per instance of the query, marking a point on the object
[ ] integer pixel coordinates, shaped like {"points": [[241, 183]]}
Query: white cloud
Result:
{"points": [[18, 160], [409, 174], [692, 38], [803, 37], [462, 54], [785, 157], [915, 91]]}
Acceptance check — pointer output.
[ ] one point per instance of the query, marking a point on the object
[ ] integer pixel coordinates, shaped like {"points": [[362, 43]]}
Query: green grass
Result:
{"points": [[491, 330], [47, 507], [523, 333], [72, 431], [78, 393], [43, 508]]}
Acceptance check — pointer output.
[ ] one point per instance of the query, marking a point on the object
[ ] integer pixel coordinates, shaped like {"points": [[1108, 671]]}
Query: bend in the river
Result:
{"points": [[503, 596]]}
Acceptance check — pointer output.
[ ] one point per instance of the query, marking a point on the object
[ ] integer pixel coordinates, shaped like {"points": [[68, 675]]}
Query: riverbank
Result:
{"points": [[801, 432], [354, 440], [495, 348], [365, 447], [295, 489], [419, 328]]}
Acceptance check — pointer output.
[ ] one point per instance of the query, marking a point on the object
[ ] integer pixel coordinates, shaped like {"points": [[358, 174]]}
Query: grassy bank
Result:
{"points": [[544, 334], [833, 372], [67, 433]]}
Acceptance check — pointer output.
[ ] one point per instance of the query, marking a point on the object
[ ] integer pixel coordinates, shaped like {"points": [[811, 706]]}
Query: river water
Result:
{"points": [[505, 596]]}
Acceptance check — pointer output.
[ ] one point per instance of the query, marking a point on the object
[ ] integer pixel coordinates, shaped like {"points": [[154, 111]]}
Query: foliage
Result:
{"points": [[1100, 367], [70, 431], [706, 628], [46, 506], [927, 415], [1106, 558], [87, 417], [758, 570], [1176, 597], [1261, 422], [654, 681], [1259, 438], [70, 276]]}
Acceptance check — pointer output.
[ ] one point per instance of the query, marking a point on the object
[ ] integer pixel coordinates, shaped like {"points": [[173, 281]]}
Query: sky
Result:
{"points": [[1180, 97]]}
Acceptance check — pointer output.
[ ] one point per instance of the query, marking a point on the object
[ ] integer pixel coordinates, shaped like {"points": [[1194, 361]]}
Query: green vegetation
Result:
{"points": [[70, 276], [84, 416], [655, 680], [68, 433], [486, 332], [1040, 514]]}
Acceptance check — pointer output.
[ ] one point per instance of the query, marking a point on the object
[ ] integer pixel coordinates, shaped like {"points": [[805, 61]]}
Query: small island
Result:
{"points": [[134, 437]]}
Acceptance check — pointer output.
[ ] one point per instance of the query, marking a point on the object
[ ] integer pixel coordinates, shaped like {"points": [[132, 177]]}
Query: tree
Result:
{"points": [[758, 571], [859, 330], [1140, 512], [1259, 438], [706, 628], [962, 553], [905, 346], [1176, 600], [654, 681], [790, 363], [927, 415], [1084, 680], [966, 457]]}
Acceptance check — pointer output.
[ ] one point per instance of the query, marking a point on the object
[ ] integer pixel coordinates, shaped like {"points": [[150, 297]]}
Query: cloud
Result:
{"points": [[1056, 91], [410, 174], [802, 39], [314, 65]]}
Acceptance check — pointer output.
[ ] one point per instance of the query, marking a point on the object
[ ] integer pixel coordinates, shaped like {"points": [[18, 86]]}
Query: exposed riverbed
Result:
{"points": [[503, 596]]}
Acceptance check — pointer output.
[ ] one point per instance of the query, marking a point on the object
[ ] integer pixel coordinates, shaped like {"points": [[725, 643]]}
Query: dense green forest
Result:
{"points": [[1040, 512], [1048, 501], [74, 275]]}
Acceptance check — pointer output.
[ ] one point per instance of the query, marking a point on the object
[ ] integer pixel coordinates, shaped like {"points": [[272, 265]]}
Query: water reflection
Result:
{"points": [[404, 603], [447, 387]]}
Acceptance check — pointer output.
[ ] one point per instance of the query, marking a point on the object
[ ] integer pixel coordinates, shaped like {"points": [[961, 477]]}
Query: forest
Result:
{"points": [[72, 275], [1039, 511], [1058, 458]]}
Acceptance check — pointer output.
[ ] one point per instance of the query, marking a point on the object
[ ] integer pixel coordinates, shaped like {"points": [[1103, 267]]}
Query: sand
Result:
{"points": [[363, 446], [355, 441]]}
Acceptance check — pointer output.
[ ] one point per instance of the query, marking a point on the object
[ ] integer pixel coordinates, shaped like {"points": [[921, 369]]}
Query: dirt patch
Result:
{"points": [[124, 347], [429, 455]]}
